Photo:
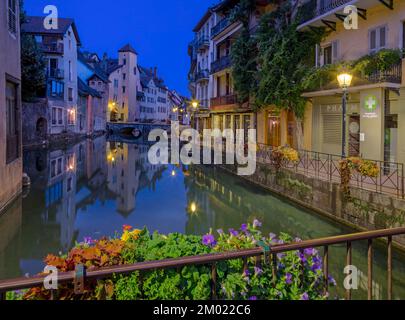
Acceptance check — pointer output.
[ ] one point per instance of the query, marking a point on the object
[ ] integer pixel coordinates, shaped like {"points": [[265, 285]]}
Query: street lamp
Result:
{"points": [[344, 79]]}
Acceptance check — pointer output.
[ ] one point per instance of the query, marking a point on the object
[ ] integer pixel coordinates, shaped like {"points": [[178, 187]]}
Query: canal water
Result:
{"points": [[95, 187]]}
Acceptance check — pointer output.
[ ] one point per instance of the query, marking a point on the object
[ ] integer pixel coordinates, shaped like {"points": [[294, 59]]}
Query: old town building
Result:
{"points": [[375, 112], [10, 103]]}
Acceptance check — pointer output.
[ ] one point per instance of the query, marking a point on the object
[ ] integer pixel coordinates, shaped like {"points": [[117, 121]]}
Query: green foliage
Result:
{"points": [[365, 66], [299, 275], [244, 65], [271, 65], [32, 68]]}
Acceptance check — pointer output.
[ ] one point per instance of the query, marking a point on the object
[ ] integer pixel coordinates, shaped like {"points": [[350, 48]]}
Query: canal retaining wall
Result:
{"points": [[362, 210]]}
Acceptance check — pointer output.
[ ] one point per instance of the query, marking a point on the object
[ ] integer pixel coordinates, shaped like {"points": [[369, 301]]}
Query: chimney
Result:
{"points": [[155, 72]]}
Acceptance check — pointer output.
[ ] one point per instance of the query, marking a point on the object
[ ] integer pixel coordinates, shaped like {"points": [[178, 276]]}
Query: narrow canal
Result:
{"points": [[95, 187]]}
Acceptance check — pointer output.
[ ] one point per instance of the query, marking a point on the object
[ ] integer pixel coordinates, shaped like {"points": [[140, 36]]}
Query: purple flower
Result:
{"points": [[302, 257], [253, 298], [209, 240], [297, 240], [246, 273], [233, 232], [258, 271], [332, 281], [310, 251], [244, 227], [88, 240], [288, 278], [272, 236], [281, 255], [305, 296], [256, 223], [220, 231]]}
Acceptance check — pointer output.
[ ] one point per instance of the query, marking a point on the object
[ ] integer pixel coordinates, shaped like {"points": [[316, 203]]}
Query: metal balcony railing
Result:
{"points": [[221, 64], [56, 73], [202, 74], [391, 75], [202, 43], [57, 48], [316, 8], [224, 100], [220, 26]]}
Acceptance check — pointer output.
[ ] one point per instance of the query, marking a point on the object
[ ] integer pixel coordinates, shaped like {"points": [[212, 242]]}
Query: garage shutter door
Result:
{"points": [[332, 129]]}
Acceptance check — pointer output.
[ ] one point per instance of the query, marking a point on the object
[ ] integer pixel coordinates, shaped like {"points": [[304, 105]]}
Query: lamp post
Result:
{"points": [[195, 104], [344, 79]]}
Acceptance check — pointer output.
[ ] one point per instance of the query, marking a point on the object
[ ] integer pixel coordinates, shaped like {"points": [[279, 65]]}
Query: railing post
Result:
{"points": [[370, 269], [326, 267], [214, 281], [274, 268], [348, 263], [389, 269]]}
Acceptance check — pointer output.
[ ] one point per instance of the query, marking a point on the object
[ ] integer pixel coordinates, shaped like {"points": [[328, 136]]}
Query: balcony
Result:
{"points": [[202, 75], [202, 43], [224, 100], [221, 64], [204, 104], [391, 77], [220, 26], [330, 12], [52, 48], [56, 73]]}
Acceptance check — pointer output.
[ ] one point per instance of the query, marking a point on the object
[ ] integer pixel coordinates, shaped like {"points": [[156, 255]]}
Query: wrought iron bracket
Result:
{"points": [[80, 275], [388, 3], [362, 13], [330, 24], [395, 90]]}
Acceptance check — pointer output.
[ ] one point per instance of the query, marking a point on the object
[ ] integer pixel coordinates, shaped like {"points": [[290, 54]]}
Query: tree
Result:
{"points": [[280, 59], [33, 66]]}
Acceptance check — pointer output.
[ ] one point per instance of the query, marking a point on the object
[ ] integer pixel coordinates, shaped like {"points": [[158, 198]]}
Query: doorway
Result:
{"points": [[273, 137], [354, 136]]}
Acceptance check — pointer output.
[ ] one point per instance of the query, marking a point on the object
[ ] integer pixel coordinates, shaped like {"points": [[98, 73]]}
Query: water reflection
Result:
{"points": [[95, 187]]}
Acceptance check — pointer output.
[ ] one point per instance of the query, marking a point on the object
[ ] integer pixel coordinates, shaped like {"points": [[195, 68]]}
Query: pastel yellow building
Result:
{"points": [[376, 102]]}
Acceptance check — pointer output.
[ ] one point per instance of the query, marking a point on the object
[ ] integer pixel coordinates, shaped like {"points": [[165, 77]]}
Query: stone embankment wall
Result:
{"points": [[362, 210]]}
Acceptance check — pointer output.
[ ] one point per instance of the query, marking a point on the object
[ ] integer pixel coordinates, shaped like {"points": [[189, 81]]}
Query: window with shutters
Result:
{"points": [[378, 38], [12, 122], [327, 55], [12, 16], [332, 128]]}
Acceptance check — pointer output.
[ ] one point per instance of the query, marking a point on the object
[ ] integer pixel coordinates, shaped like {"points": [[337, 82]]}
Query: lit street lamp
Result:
{"points": [[344, 79]]}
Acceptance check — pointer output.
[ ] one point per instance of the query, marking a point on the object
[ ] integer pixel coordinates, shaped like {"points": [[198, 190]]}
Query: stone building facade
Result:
{"points": [[10, 103]]}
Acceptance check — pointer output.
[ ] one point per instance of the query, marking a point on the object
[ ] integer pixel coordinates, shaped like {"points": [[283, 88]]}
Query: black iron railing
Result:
{"points": [[316, 8], [220, 26], [324, 166], [221, 64]]}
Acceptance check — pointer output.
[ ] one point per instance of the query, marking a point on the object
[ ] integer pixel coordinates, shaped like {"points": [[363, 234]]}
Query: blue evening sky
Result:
{"points": [[159, 30]]}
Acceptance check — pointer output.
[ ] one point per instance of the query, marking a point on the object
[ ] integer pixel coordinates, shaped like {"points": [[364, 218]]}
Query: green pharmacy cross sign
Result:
{"points": [[370, 106]]}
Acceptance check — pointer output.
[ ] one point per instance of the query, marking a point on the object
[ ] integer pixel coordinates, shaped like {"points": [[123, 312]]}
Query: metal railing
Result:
{"points": [[202, 74], [221, 64], [325, 166], [202, 42], [260, 255], [224, 100], [52, 47], [316, 8], [56, 73], [220, 26]]}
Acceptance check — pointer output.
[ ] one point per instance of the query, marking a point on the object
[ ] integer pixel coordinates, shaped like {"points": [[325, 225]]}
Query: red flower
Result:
{"points": [[126, 227]]}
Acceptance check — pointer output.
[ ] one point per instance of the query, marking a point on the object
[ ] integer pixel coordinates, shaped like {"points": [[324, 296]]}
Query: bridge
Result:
{"points": [[134, 129]]}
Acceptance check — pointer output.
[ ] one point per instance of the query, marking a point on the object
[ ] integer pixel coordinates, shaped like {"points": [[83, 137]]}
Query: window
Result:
{"points": [[70, 71], [115, 83], [12, 16], [70, 94], [377, 38], [12, 122], [124, 75], [71, 117], [327, 55], [123, 89], [56, 89], [57, 116], [124, 61]]}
